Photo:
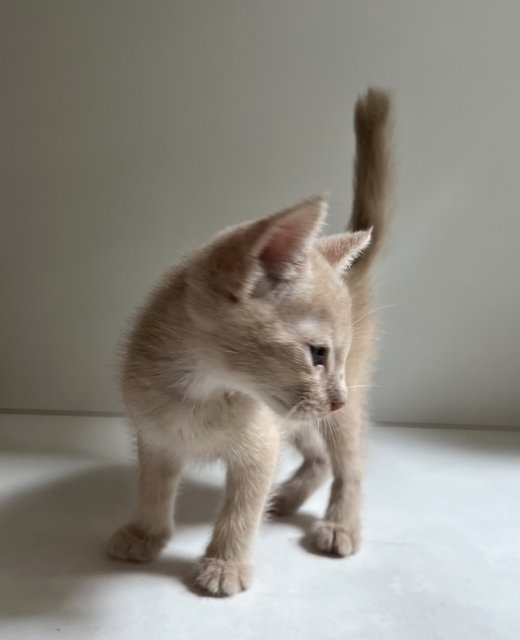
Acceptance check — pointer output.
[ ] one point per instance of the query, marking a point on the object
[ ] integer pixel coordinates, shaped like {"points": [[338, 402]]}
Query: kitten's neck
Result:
{"points": [[199, 384], [198, 374], [202, 375]]}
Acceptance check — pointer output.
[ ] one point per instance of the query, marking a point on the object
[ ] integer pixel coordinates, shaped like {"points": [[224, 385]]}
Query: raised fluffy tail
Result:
{"points": [[372, 171]]}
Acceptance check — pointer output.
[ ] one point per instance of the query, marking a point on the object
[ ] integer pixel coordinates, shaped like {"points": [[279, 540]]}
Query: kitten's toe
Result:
{"points": [[282, 504], [219, 577], [132, 543], [334, 539]]}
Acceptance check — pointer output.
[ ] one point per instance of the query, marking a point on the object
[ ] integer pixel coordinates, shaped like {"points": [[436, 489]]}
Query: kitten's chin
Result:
{"points": [[280, 407], [292, 413], [288, 412], [276, 405]]}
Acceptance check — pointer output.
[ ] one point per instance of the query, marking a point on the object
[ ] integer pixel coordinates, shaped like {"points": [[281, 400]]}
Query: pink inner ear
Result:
{"points": [[282, 253], [343, 248], [275, 246], [284, 246]]}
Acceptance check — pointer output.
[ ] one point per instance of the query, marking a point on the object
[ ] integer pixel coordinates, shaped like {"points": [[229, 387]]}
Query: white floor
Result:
{"points": [[440, 558]]}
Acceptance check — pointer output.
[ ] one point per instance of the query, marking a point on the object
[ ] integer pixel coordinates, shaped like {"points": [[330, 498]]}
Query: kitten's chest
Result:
{"points": [[208, 430]]}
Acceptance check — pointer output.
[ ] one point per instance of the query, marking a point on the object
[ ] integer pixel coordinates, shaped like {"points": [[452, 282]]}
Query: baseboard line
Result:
{"points": [[433, 425], [378, 423], [62, 412]]}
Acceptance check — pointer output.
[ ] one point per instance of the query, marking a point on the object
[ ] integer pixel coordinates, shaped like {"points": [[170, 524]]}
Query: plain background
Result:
{"points": [[132, 129]]}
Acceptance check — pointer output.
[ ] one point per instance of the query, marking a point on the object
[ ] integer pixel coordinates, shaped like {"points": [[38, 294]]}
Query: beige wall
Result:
{"points": [[130, 129]]}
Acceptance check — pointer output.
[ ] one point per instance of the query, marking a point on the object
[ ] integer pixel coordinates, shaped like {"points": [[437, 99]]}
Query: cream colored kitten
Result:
{"points": [[264, 332]]}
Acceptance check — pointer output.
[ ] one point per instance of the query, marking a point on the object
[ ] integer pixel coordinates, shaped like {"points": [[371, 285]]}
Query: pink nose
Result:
{"points": [[334, 406]]}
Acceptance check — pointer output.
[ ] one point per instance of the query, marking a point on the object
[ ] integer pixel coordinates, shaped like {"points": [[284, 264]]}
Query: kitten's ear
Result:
{"points": [[257, 255], [281, 250], [342, 249]]}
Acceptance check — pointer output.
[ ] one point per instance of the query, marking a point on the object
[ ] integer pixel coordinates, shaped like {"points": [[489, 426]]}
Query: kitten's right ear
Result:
{"points": [[271, 250], [342, 249]]}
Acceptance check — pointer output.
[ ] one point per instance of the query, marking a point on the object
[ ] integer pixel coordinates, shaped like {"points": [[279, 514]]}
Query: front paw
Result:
{"points": [[132, 543], [219, 577], [335, 539]]}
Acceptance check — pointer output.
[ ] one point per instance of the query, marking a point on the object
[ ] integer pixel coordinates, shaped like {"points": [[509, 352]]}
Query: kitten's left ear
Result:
{"points": [[342, 249], [255, 256], [282, 247]]}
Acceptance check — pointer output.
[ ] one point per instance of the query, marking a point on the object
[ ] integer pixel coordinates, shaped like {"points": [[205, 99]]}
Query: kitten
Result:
{"points": [[264, 332]]}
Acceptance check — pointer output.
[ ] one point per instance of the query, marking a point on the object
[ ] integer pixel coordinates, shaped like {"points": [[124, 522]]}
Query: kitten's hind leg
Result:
{"points": [[310, 475], [339, 532], [143, 539]]}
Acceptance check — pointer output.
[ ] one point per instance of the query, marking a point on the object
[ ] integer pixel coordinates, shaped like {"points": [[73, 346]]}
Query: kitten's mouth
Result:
{"points": [[294, 412], [286, 411]]}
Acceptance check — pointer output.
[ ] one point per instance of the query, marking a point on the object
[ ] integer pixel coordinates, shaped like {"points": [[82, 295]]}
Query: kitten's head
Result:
{"points": [[271, 310]]}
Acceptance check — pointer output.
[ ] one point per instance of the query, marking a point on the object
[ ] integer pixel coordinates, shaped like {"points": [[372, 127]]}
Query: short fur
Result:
{"points": [[218, 366]]}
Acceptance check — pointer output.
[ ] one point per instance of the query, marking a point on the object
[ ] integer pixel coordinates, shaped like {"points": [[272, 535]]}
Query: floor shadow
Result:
{"points": [[53, 538], [496, 443], [300, 520]]}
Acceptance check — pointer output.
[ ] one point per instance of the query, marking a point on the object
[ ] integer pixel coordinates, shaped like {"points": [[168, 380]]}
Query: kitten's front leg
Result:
{"points": [[144, 538], [339, 532], [224, 570]]}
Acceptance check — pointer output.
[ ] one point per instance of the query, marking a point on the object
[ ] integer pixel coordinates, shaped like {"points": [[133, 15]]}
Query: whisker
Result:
{"points": [[361, 386], [335, 439], [331, 432], [290, 413], [376, 335], [370, 313]]}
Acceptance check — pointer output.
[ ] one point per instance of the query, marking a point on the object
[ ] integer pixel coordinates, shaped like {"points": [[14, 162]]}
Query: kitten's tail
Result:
{"points": [[372, 172]]}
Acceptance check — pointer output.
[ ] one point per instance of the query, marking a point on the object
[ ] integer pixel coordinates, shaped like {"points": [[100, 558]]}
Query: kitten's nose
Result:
{"points": [[334, 406]]}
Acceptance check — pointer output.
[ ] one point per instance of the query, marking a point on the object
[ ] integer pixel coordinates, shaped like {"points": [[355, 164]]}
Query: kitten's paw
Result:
{"points": [[334, 538], [132, 543], [282, 503], [222, 577]]}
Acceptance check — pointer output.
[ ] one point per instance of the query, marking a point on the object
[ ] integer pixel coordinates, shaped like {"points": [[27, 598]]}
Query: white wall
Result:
{"points": [[131, 128]]}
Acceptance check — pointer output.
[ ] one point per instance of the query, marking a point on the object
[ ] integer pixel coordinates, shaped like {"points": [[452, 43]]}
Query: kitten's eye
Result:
{"points": [[318, 355]]}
